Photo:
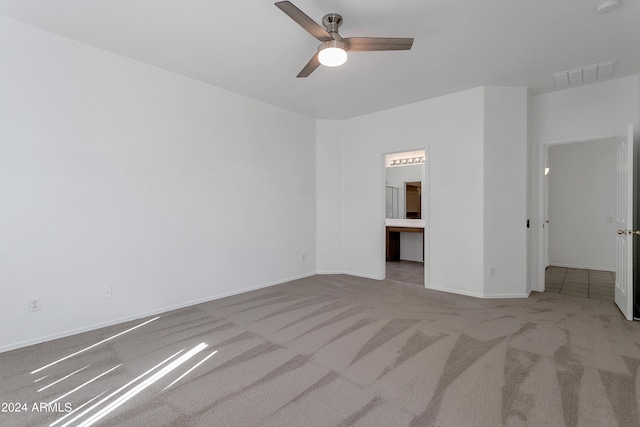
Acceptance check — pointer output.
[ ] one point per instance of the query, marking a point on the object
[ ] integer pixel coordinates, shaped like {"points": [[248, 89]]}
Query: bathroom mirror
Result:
{"points": [[413, 199]]}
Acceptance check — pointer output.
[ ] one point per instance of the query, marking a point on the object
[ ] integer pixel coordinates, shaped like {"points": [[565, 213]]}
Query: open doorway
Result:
{"points": [[580, 210], [405, 217]]}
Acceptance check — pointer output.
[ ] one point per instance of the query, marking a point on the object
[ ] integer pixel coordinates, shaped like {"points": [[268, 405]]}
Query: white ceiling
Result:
{"points": [[252, 48]]}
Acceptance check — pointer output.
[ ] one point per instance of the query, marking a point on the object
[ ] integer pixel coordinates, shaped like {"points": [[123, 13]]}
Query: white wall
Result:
{"points": [[582, 201], [573, 114], [410, 243], [451, 128], [116, 173], [329, 223], [476, 149], [505, 191]]}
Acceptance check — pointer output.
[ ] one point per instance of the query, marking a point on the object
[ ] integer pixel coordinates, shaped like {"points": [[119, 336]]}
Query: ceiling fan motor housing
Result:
{"points": [[333, 43], [332, 22]]}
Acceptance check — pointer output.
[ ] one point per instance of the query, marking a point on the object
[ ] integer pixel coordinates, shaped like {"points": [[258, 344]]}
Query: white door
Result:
{"points": [[546, 224], [624, 223]]}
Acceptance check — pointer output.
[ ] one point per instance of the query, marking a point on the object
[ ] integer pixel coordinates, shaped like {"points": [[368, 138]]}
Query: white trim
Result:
{"points": [[583, 267], [57, 335], [425, 208], [426, 214], [478, 295], [365, 276], [455, 291], [578, 139], [507, 296], [330, 272]]}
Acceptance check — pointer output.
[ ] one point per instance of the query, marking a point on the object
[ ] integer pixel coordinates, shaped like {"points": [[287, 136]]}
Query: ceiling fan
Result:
{"points": [[333, 49]]}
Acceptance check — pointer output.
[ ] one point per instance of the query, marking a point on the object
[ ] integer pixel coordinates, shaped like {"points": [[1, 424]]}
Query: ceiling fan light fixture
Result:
{"points": [[332, 53], [607, 6]]}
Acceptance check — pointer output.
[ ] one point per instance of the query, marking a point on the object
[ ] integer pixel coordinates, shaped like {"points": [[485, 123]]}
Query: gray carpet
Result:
{"points": [[340, 351]]}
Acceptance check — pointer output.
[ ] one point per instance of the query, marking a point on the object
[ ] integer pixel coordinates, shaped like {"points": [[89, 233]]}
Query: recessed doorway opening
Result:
{"points": [[405, 217], [580, 193]]}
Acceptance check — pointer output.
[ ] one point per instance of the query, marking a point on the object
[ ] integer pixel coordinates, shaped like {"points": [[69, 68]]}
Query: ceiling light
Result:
{"points": [[607, 6], [407, 161], [332, 53]]}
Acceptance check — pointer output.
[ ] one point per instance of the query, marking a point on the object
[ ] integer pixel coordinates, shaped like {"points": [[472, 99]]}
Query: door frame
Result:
{"points": [[543, 146], [425, 207]]}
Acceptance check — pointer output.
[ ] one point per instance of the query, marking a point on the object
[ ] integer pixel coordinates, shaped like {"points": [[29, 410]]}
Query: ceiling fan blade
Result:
{"points": [[304, 21], [366, 44], [313, 63]]}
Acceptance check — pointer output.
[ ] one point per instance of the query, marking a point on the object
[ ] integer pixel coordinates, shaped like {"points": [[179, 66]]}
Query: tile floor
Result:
{"points": [[595, 284], [406, 272]]}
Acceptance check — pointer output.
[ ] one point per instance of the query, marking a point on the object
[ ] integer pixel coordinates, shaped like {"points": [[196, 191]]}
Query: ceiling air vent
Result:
{"points": [[585, 75]]}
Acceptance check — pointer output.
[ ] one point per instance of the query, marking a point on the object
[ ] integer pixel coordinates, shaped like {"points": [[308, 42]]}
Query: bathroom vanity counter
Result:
{"points": [[393, 229]]}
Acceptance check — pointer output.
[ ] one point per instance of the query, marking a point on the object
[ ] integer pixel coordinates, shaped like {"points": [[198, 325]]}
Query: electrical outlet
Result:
{"points": [[492, 271], [304, 256], [34, 304], [106, 292]]}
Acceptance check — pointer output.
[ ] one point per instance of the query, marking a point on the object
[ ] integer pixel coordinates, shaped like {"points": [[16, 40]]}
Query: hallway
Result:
{"points": [[595, 284]]}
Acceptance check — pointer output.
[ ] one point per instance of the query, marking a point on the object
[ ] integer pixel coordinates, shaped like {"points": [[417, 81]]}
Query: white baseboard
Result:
{"points": [[454, 291], [348, 273], [583, 267], [62, 334], [503, 296], [479, 295], [366, 276]]}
